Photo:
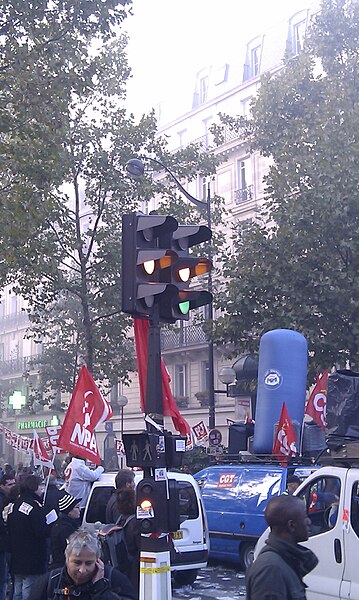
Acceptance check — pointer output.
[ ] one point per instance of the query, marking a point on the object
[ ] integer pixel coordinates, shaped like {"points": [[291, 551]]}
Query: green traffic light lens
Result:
{"points": [[184, 307]]}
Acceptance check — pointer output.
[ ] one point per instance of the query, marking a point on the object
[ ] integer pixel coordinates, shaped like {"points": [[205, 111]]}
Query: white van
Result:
{"points": [[191, 540], [332, 499]]}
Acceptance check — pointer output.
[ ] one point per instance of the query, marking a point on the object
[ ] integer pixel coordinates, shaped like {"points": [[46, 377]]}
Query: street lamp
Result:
{"points": [[136, 168], [122, 401]]}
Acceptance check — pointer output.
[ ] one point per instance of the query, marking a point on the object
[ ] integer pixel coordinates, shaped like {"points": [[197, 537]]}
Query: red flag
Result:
{"points": [[317, 403], [170, 407], [87, 409], [285, 438], [41, 456]]}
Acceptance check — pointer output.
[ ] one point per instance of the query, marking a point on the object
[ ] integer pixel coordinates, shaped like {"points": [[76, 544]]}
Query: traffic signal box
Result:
{"points": [[157, 267], [154, 450], [158, 505]]}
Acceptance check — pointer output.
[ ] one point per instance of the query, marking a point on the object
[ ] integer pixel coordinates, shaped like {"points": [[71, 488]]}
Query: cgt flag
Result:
{"points": [[317, 403], [87, 409], [285, 438]]}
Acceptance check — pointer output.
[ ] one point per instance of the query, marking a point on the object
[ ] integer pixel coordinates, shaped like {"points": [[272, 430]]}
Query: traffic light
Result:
{"points": [[151, 504], [158, 505], [178, 299], [157, 267], [143, 259]]}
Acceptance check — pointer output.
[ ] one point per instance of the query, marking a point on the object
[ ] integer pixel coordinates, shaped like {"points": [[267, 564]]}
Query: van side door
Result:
{"points": [[323, 494], [350, 524]]}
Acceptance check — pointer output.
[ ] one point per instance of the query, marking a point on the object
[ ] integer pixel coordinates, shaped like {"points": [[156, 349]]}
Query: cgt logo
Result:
{"points": [[226, 480]]}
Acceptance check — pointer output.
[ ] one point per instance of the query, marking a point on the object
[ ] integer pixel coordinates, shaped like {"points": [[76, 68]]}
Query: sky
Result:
{"points": [[171, 40]]}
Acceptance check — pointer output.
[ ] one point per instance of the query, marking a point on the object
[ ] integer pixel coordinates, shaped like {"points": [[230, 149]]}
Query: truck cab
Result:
{"points": [[331, 495]]}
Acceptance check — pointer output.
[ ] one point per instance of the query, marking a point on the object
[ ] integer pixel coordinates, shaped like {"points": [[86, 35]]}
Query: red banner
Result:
{"points": [[317, 403], [87, 409], [170, 407], [285, 438], [41, 456]]}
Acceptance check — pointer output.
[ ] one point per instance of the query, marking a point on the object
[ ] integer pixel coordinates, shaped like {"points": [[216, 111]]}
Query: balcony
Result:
{"points": [[190, 335], [244, 194], [13, 321], [16, 366]]}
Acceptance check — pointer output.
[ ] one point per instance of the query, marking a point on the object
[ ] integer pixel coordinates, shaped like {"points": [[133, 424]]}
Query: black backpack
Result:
{"points": [[114, 546]]}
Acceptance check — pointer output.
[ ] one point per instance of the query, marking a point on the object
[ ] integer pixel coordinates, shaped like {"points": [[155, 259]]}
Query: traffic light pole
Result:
{"points": [[155, 562], [211, 396]]}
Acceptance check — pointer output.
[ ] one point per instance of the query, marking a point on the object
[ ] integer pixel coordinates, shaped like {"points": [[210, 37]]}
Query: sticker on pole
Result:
{"points": [[144, 514]]}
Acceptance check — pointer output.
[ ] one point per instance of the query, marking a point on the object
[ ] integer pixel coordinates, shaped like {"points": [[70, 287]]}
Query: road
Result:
{"points": [[215, 582]]}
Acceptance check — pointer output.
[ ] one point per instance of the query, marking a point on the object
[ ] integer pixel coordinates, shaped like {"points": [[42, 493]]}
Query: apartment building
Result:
{"points": [[223, 88]]}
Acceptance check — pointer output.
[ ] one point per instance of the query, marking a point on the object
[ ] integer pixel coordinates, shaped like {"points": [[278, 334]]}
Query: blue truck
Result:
{"points": [[235, 497]]}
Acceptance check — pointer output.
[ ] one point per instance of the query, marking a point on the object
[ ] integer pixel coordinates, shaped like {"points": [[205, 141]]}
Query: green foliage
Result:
{"points": [[296, 264], [64, 141]]}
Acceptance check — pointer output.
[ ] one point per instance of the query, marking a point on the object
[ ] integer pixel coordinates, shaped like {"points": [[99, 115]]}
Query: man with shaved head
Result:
{"points": [[278, 572]]}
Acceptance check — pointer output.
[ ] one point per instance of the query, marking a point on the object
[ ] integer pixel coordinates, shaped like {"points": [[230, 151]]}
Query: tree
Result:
{"points": [[66, 142], [297, 264]]}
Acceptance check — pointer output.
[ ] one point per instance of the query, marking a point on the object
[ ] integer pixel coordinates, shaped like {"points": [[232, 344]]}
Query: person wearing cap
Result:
{"points": [[67, 523], [293, 482], [29, 527]]}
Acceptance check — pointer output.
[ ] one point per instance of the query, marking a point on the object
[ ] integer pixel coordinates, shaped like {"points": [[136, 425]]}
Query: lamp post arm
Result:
{"points": [[198, 203]]}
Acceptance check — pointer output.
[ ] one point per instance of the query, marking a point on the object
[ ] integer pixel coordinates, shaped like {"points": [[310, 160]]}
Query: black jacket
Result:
{"points": [[60, 533], [52, 498], [27, 535], [112, 511], [114, 586], [3, 530], [278, 572]]}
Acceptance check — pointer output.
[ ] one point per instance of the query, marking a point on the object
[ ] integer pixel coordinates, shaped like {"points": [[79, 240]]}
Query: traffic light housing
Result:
{"points": [[157, 267], [158, 505]]}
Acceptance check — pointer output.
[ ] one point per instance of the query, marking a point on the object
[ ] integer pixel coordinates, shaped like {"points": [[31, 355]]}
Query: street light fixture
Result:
{"points": [[136, 168]]}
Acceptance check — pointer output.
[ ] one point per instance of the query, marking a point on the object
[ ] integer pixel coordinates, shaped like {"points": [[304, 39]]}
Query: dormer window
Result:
{"points": [[298, 27], [203, 90], [253, 59]]}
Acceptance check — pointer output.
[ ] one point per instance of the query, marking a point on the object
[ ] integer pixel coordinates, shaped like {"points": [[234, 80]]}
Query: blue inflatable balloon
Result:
{"points": [[282, 377]]}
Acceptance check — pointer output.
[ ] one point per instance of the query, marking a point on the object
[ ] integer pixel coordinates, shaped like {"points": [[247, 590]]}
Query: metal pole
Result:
{"points": [[121, 461], [211, 396]]}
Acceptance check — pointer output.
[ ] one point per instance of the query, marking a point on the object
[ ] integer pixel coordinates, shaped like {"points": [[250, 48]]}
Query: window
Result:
{"points": [[252, 65], [180, 381], [203, 89], [181, 135], [255, 61], [298, 36], [354, 509], [13, 305], [205, 375], [322, 501], [244, 190], [202, 189], [188, 504]]}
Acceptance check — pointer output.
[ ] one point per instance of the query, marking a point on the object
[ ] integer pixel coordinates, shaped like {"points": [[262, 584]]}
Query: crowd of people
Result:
{"points": [[45, 553]]}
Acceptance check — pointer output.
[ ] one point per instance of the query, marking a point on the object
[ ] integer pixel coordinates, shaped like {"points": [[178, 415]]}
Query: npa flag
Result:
{"points": [[317, 403], [285, 438], [170, 407], [41, 456], [87, 409]]}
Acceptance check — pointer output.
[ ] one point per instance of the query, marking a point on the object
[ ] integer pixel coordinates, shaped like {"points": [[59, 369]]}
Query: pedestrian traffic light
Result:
{"points": [[157, 267], [143, 258]]}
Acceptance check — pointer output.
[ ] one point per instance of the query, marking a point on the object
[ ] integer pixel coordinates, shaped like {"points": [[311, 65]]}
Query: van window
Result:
{"points": [[321, 497], [354, 509], [187, 500], [98, 502]]}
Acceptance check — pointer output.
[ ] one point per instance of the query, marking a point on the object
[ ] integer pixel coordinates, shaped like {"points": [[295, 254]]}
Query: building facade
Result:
{"points": [[228, 89]]}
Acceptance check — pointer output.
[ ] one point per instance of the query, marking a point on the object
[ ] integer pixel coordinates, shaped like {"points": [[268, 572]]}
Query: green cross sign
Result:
{"points": [[17, 400]]}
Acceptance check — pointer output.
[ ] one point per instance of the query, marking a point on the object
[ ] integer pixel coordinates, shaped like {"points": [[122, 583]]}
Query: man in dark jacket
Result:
{"points": [[278, 572], [7, 482], [28, 527], [84, 576], [67, 523]]}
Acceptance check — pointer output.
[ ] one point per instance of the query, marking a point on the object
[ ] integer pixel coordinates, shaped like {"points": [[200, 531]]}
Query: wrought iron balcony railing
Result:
{"points": [[190, 335], [16, 366], [244, 194], [7, 322]]}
